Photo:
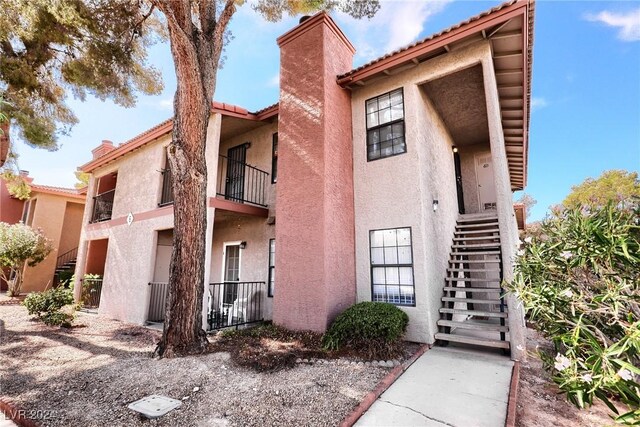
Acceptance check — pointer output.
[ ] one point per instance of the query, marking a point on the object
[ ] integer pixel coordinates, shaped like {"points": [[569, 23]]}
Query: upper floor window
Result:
{"points": [[166, 196], [385, 125], [274, 159]]}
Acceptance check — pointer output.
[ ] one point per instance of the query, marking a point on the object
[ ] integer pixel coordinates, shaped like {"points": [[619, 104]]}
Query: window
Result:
{"points": [[392, 266], [272, 266], [274, 159], [385, 125]]}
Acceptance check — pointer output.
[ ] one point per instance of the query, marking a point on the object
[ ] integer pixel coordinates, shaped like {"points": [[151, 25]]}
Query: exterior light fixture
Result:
{"points": [[243, 245], [455, 149], [435, 205]]}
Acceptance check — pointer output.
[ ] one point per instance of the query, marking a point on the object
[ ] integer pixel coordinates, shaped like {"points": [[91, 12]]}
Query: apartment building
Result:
{"points": [[392, 182]]}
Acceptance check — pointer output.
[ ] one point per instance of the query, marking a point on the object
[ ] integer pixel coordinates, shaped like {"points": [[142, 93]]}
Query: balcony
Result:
{"points": [[241, 183], [237, 182], [102, 206], [235, 304]]}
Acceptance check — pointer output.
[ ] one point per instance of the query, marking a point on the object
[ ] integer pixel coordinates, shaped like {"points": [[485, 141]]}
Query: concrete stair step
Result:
{"points": [[473, 270], [478, 217], [472, 340], [470, 289], [477, 246], [493, 232], [458, 253], [476, 326], [473, 312], [473, 239], [471, 300], [473, 279], [474, 261]]}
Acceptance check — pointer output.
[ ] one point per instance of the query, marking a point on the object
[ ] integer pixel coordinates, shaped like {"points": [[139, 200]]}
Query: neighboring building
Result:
{"points": [[10, 207], [389, 182], [58, 213]]}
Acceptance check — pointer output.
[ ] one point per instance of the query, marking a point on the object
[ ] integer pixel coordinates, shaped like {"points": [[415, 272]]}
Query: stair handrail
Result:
{"points": [[67, 257]]}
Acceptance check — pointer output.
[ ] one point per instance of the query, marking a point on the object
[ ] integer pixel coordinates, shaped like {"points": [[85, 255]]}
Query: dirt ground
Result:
{"points": [[539, 401], [87, 375]]}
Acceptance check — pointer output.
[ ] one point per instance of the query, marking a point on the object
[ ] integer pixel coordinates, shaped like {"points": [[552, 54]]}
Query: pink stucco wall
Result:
{"points": [[314, 210]]}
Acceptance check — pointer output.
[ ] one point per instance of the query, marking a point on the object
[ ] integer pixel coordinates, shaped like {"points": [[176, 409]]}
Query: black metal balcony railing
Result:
{"points": [[91, 291], [158, 301], [240, 182], [233, 304], [166, 197], [103, 206]]}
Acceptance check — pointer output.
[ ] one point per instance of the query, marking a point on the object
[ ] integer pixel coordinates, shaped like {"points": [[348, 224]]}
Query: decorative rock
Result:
{"points": [[396, 362], [305, 360], [195, 389], [298, 360], [360, 363], [367, 363]]}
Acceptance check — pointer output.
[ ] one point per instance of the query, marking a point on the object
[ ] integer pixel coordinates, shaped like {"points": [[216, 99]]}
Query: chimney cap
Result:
{"points": [[304, 18]]}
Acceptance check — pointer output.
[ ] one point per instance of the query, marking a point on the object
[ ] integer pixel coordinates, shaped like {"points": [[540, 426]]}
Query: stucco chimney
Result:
{"points": [[102, 149], [314, 206], [25, 176]]}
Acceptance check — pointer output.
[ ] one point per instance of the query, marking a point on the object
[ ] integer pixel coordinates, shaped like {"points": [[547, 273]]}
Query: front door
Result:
{"points": [[236, 159], [458, 169], [486, 185], [231, 273]]}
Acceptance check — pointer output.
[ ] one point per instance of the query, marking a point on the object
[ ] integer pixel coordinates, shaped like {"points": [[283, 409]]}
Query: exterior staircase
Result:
{"points": [[473, 311], [65, 262]]}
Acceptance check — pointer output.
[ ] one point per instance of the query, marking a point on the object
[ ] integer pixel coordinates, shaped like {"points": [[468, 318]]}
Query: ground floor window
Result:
{"points": [[392, 266], [272, 266]]}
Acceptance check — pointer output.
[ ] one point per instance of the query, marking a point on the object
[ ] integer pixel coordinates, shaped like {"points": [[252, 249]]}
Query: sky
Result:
{"points": [[585, 92]]}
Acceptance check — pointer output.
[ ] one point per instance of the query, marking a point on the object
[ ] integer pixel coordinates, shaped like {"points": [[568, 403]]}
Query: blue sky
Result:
{"points": [[586, 87]]}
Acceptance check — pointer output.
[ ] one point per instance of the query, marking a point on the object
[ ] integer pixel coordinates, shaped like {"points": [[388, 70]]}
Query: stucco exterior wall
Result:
{"points": [[398, 191], [59, 224], [70, 233], [254, 259], [314, 242], [10, 207]]}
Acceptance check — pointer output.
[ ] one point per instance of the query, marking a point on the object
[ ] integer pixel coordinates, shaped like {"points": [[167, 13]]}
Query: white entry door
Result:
{"points": [[486, 185]]}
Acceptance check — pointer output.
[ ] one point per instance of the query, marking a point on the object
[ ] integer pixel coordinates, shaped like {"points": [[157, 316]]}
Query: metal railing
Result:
{"points": [[240, 182], [103, 206], [158, 301], [91, 291], [233, 304], [67, 258], [166, 197]]}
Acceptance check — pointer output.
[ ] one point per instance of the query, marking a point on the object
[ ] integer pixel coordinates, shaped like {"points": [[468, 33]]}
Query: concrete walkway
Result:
{"points": [[446, 386]]}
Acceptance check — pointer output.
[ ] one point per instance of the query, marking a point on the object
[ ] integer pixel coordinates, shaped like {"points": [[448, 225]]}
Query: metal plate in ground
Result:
{"points": [[155, 406]]}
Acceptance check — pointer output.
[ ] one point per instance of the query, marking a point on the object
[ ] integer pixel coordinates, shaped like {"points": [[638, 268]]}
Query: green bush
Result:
{"points": [[579, 280], [373, 328], [49, 306]]}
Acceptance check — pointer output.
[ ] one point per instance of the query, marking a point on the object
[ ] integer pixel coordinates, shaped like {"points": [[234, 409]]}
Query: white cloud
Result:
{"points": [[396, 24], [628, 24], [165, 104], [274, 81], [538, 103]]}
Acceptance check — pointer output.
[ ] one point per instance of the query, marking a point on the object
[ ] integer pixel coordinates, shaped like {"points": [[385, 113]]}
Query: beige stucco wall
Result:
{"points": [[398, 191], [61, 225]]}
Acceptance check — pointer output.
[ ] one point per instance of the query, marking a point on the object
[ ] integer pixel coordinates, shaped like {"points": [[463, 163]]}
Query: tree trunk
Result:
{"points": [[196, 53]]}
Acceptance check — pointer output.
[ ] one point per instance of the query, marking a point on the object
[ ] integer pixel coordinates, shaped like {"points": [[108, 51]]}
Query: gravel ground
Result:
{"points": [[539, 401], [87, 375]]}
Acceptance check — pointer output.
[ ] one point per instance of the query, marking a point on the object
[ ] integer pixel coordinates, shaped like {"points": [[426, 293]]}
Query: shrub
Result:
{"points": [[51, 306], [373, 328], [579, 281]]}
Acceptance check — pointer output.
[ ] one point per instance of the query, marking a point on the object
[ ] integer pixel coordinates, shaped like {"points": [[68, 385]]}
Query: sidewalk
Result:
{"points": [[447, 386]]}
